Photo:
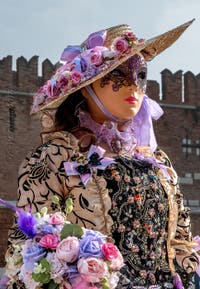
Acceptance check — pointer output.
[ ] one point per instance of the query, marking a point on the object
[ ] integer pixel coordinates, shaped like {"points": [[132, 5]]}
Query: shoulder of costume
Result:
{"points": [[162, 156]]}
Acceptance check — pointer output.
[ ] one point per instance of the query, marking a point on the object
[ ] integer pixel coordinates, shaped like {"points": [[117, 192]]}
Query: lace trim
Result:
{"points": [[108, 134]]}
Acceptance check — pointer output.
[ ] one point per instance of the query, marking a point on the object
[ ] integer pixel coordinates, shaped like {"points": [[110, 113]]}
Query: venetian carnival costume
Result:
{"points": [[135, 198]]}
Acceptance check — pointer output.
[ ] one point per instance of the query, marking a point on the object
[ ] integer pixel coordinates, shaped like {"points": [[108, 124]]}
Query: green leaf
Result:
{"points": [[71, 230], [45, 264], [43, 277], [53, 285], [104, 283]]}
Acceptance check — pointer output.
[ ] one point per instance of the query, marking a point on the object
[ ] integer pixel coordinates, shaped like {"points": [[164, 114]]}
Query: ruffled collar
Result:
{"points": [[136, 132], [108, 134]]}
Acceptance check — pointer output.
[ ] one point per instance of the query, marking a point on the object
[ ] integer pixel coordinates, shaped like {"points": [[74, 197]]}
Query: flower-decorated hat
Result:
{"points": [[99, 54]]}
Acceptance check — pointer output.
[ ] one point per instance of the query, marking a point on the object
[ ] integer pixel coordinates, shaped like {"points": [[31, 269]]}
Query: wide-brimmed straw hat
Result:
{"points": [[99, 54]]}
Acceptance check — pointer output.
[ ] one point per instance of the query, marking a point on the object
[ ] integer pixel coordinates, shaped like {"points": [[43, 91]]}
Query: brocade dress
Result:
{"points": [[135, 201]]}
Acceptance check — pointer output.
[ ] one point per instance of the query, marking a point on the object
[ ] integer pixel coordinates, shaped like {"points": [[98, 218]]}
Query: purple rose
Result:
{"points": [[33, 255], [90, 244]]}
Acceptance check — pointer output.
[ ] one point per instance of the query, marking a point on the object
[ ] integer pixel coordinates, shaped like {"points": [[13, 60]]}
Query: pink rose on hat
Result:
{"points": [[121, 45], [76, 77], [68, 249], [96, 57], [92, 269]]}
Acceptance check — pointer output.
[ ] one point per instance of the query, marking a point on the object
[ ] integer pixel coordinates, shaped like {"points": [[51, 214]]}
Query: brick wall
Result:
{"points": [[19, 133]]}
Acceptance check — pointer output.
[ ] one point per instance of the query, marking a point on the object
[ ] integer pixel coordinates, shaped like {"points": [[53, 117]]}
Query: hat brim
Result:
{"points": [[150, 49]]}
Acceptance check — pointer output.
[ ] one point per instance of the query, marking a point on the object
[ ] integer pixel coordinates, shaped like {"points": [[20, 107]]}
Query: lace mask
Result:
{"points": [[131, 72]]}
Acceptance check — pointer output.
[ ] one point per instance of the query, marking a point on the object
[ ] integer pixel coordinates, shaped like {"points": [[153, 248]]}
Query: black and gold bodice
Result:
{"points": [[140, 221]]}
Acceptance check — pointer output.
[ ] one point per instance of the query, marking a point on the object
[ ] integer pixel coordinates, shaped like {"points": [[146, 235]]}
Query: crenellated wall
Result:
{"points": [[176, 88], [178, 131], [26, 77]]}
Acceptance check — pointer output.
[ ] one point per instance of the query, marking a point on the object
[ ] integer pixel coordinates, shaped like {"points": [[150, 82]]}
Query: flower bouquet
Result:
{"points": [[58, 254]]}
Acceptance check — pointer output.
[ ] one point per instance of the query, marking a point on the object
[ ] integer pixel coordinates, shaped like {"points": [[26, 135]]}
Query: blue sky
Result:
{"points": [[46, 27]]}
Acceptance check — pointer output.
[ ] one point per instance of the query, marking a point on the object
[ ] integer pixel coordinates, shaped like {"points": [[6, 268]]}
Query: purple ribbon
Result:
{"points": [[95, 159], [155, 163], [93, 40], [96, 39], [177, 282], [143, 124], [70, 52]]}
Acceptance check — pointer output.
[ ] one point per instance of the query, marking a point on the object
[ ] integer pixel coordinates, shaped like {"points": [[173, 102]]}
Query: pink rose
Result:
{"points": [[91, 269], [76, 77], [63, 81], [130, 36], [117, 263], [110, 251], [121, 45], [68, 249], [49, 241], [96, 57], [57, 219]]}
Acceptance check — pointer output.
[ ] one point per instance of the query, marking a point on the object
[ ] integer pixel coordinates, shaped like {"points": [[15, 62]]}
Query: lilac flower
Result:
{"points": [[72, 272], [47, 229], [90, 244], [33, 254]]}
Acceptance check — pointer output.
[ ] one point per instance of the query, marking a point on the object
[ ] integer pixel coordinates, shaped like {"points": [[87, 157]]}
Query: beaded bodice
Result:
{"points": [[140, 218]]}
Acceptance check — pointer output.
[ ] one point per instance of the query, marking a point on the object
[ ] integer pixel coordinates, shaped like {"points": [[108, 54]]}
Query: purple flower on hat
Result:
{"points": [[96, 39], [83, 64]]}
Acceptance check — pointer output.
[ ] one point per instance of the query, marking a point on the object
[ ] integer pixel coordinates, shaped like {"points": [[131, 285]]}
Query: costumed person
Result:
{"points": [[99, 148]]}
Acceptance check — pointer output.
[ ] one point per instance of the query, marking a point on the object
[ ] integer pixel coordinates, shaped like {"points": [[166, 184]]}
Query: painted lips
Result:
{"points": [[131, 99]]}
